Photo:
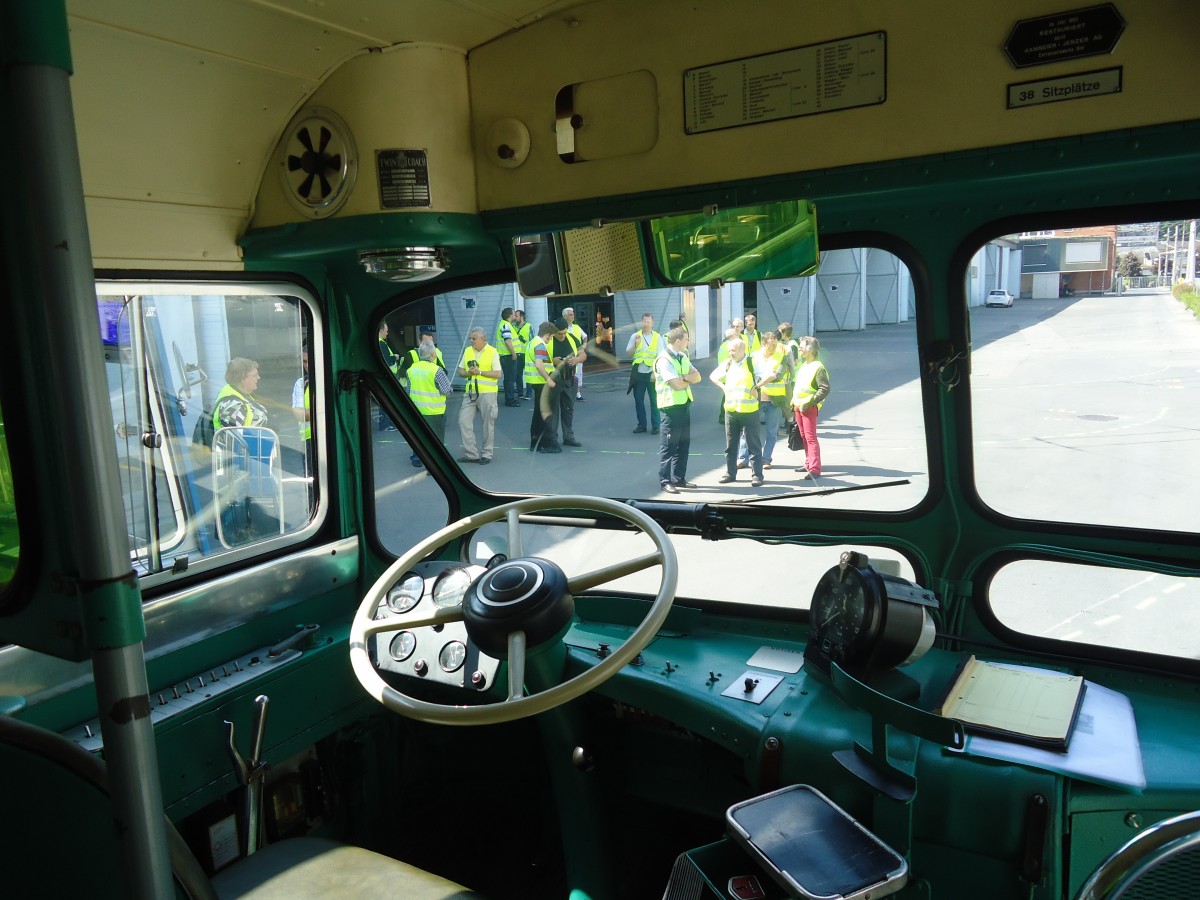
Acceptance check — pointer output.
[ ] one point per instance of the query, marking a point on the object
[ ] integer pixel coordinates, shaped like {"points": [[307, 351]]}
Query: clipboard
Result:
{"points": [[1031, 706]]}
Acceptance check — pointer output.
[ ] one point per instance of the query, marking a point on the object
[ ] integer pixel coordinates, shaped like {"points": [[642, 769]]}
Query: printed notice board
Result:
{"points": [[842, 74]]}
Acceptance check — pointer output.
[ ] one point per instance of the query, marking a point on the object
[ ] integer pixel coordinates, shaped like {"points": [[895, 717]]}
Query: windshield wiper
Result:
{"points": [[820, 492]]}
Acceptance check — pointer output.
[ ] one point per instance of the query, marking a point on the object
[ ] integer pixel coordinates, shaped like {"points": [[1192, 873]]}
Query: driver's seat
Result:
{"points": [[64, 789]]}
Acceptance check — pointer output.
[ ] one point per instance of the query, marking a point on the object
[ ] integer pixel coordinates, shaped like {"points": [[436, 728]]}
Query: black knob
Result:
{"points": [[421, 667]]}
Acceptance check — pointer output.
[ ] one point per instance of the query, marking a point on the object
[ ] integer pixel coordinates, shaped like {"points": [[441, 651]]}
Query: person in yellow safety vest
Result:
{"points": [[428, 387], [565, 355], [723, 349], [772, 369], [539, 372], [751, 336], [520, 342], [736, 379], [390, 359], [674, 376], [581, 339], [235, 405], [792, 347], [812, 387], [427, 333], [644, 346], [392, 362], [302, 410], [505, 344], [480, 366]]}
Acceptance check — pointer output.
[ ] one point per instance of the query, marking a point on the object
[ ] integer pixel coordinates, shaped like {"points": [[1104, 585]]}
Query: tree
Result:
{"points": [[1130, 265]]}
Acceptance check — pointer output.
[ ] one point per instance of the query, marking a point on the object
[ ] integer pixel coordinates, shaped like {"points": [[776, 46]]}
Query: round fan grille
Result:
{"points": [[317, 162]]}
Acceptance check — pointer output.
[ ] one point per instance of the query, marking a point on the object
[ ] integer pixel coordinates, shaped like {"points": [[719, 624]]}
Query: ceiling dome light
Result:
{"points": [[403, 264]]}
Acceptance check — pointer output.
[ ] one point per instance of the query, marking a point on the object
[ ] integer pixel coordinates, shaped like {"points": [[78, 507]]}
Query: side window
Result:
{"points": [[1083, 387], [215, 413]]}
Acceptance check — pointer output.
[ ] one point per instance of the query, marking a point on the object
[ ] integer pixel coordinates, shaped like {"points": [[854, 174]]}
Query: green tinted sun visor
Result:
{"points": [[747, 243]]}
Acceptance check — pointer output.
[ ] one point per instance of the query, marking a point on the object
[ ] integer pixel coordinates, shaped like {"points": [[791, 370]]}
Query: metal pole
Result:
{"points": [[38, 63], [1191, 254]]}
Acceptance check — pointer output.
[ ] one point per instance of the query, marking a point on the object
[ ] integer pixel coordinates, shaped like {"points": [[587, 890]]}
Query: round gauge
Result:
{"points": [[839, 612], [406, 593], [867, 621], [453, 655], [402, 646], [449, 589]]}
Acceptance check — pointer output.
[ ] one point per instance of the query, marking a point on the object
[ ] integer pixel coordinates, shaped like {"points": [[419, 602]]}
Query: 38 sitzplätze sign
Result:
{"points": [[1092, 31]]}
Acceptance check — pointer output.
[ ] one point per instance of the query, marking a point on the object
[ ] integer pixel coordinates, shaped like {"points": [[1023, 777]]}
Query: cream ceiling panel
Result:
{"points": [[125, 234], [260, 34], [411, 97], [161, 123], [518, 76]]}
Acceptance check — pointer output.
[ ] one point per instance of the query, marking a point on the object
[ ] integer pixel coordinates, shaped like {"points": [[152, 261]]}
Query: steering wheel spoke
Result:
{"points": [[588, 580], [516, 666], [515, 548], [516, 705], [437, 617]]}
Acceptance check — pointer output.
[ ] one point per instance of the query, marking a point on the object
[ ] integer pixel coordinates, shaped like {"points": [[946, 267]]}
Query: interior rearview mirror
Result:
{"points": [[747, 243]]}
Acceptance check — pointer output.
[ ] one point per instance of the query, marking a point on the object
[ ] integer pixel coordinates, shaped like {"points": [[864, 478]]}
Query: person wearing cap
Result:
{"points": [[581, 338], [565, 354]]}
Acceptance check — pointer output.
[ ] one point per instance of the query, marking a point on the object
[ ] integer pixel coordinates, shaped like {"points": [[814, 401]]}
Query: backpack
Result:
{"points": [[202, 434]]}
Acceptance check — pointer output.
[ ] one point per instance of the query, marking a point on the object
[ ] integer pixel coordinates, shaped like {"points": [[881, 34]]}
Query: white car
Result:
{"points": [[999, 298]]}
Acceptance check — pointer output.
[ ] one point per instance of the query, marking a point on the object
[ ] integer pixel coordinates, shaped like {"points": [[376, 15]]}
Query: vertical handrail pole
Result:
{"points": [[36, 57]]}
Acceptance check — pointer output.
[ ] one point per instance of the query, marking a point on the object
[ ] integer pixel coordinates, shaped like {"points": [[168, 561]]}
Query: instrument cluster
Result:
{"points": [[439, 653]]}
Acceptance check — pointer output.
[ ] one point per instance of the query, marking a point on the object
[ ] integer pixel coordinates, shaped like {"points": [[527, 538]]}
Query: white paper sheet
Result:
{"points": [[1104, 745]]}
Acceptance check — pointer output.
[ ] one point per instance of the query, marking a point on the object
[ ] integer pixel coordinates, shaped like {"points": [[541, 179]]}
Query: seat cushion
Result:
{"points": [[313, 867]]}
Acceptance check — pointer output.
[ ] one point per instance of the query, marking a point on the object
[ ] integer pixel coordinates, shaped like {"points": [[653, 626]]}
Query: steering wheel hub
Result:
{"points": [[529, 595]]}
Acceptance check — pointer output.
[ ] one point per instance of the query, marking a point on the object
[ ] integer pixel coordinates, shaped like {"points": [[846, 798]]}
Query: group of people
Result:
{"points": [[763, 378], [518, 364], [766, 379], [522, 362]]}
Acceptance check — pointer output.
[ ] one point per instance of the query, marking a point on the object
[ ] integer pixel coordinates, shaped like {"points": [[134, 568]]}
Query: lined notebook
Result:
{"points": [[1034, 706]]}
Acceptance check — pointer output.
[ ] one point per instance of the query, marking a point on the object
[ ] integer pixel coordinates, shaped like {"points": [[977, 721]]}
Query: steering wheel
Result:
{"points": [[519, 603]]}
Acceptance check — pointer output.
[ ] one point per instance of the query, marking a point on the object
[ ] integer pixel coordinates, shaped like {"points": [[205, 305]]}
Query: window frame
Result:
{"points": [[108, 284]]}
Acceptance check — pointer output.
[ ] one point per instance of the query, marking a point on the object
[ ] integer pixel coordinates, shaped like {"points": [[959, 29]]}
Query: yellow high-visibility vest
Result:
{"points": [[532, 375], [489, 361], [775, 388], [806, 383], [667, 395], [739, 387], [423, 389], [648, 351]]}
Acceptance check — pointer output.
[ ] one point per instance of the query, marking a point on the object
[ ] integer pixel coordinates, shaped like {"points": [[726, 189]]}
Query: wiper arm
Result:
{"points": [[821, 492]]}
